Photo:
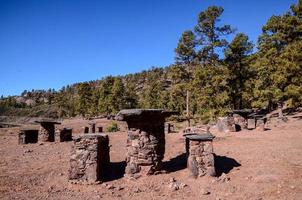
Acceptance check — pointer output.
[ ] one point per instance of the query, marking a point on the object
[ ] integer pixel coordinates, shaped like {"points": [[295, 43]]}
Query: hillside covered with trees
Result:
{"points": [[220, 75]]}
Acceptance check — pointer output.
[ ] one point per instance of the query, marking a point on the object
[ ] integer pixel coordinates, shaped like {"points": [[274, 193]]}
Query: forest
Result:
{"points": [[219, 73]]}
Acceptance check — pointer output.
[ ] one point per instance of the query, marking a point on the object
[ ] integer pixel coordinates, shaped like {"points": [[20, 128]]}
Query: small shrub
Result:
{"points": [[112, 127]]}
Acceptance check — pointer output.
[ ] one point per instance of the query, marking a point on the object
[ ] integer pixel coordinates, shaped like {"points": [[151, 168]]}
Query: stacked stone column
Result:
{"points": [[89, 158], [47, 130], [200, 156], [146, 140]]}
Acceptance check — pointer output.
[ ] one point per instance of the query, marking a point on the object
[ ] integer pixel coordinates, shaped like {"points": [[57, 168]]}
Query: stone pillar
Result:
{"points": [[201, 158], [89, 158], [251, 123], [85, 129], [167, 128], [47, 132], [226, 124], [241, 121], [65, 134], [146, 139], [187, 143], [91, 127], [260, 124]]}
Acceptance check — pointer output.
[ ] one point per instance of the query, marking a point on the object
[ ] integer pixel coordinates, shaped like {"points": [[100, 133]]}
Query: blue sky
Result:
{"points": [[51, 43]]}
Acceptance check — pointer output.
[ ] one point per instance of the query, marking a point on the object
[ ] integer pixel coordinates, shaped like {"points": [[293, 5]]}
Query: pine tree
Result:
{"points": [[278, 72], [237, 60], [185, 50], [210, 36]]}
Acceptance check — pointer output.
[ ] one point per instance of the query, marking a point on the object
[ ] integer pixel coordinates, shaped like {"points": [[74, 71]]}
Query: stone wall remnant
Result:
{"points": [[226, 124], [91, 127], [85, 129], [146, 139], [65, 134], [27, 135], [89, 158], [200, 155], [47, 130], [100, 129]]}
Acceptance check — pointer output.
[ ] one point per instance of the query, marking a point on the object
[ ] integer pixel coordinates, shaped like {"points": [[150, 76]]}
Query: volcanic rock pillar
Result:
{"points": [[89, 158], [146, 139], [47, 130], [201, 156]]}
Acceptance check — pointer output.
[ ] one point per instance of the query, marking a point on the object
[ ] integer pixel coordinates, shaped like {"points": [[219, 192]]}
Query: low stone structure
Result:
{"points": [[100, 129], [89, 158], [65, 134], [85, 129], [251, 123], [187, 142], [240, 121], [47, 130], [27, 135], [226, 124], [169, 128], [146, 139], [200, 155], [260, 123], [91, 127]]}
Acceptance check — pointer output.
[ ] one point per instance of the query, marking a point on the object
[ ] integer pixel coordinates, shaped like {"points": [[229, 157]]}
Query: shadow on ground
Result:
{"points": [[224, 164], [175, 164], [115, 171]]}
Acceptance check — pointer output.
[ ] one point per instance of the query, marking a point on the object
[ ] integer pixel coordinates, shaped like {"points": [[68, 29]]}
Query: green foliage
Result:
{"points": [[278, 63], [216, 83], [237, 60], [185, 50], [84, 102], [113, 127], [210, 36]]}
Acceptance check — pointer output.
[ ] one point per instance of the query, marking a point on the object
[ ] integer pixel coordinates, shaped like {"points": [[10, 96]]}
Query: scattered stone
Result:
{"points": [[137, 190], [174, 186], [109, 187], [205, 191], [223, 178], [182, 185], [172, 180], [28, 151], [119, 188]]}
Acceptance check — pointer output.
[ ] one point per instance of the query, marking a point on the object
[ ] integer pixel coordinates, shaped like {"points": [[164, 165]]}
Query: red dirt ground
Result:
{"points": [[259, 165]]}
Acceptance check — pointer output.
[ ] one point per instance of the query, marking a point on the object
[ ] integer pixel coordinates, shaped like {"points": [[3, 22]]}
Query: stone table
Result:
{"points": [[89, 159], [201, 157], [47, 130], [146, 139]]}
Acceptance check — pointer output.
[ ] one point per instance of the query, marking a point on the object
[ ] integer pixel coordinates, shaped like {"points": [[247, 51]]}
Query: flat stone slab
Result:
{"points": [[91, 135], [201, 137], [47, 121], [28, 129], [127, 114], [188, 134]]}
